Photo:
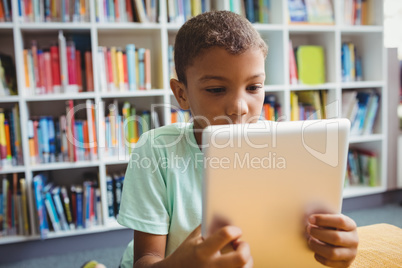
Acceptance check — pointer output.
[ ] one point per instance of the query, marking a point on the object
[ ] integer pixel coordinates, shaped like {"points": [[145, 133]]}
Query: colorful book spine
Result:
{"points": [[40, 206], [141, 68], [67, 207], [147, 66], [59, 208], [110, 196], [24, 206], [54, 218], [79, 207]]}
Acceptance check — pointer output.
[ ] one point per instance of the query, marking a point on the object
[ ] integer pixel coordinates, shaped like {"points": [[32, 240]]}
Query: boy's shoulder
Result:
{"points": [[170, 131]]}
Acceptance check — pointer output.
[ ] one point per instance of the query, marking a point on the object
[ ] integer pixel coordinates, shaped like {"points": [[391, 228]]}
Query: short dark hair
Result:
{"points": [[223, 29]]}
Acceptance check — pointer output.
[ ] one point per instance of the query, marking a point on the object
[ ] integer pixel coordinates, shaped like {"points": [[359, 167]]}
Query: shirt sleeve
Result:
{"points": [[143, 205]]}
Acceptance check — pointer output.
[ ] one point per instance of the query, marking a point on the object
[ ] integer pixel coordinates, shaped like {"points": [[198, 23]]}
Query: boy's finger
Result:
{"points": [[219, 239], [196, 233], [337, 221], [239, 258], [330, 263], [332, 253], [334, 237]]}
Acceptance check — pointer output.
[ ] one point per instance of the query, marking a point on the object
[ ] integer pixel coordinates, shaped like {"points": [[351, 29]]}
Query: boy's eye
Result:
{"points": [[254, 88], [216, 90]]}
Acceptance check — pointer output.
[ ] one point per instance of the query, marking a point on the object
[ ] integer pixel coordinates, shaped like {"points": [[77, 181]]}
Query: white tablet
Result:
{"points": [[263, 178]]}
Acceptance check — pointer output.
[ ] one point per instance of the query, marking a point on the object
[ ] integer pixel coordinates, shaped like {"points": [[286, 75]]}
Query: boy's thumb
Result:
{"points": [[196, 232]]}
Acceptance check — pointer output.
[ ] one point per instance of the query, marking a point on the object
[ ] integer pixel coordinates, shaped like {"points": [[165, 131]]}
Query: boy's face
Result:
{"points": [[223, 88]]}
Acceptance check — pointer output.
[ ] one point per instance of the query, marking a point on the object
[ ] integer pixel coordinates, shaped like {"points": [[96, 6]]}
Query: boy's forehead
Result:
{"points": [[216, 62]]}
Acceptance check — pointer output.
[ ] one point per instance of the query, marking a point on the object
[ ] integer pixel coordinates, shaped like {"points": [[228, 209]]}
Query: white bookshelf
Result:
{"points": [[157, 37]]}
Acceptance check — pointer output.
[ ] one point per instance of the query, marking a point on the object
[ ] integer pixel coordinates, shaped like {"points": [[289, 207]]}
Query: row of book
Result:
{"points": [[271, 109], [351, 63], [362, 168], [179, 116], [114, 188], [172, 68], [5, 11], [127, 11], [122, 127], [361, 108], [306, 64], [121, 70], [179, 11], [14, 219], [63, 139], [8, 79], [311, 11], [356, 12], [58, 69], [59, 209], [10, 138], [308, 104], [53, 10]]}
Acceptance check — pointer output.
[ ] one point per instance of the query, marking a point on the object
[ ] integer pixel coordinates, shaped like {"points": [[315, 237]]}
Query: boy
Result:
{"points": [[219, 59]]}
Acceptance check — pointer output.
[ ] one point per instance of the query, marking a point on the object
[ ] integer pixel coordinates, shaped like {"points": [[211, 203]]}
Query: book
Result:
{"points": [[110, 196], [140, 11], [40, 206], [53, 11], [67, 207], [118, 188], [297, 11], [91, 129], [293, 77], [64, 72], [131, 66], [320, 11], [24, 208], [147, 67], [141, 68], [48, 73], [311, 64], [79, 207], [3, 143], [51, 209], [55, 192], [89, 71]]}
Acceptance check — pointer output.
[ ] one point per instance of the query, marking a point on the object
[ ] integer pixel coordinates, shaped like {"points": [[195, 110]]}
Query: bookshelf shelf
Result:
{"points": [[361, 29], [116, 160], [6, 25], [362, 84], [17, 35], [272, 88], [268, 27], [55, 26], [68, 165], [17, 239], [366, 138], [311, 28], [51, 97], [131, 25], [5, 99], [361, 191], [145, 93], [13, 169], [309, 87]]}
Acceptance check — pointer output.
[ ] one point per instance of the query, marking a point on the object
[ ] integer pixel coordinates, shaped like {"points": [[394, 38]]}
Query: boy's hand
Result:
{"points": [[197, 252], [333, 238]]}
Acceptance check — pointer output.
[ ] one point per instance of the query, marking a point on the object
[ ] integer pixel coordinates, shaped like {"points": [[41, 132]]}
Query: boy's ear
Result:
{"points": [[179, 91]]}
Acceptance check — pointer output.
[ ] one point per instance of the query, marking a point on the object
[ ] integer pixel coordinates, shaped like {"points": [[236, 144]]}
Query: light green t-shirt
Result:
{"points": [[163, 186]]}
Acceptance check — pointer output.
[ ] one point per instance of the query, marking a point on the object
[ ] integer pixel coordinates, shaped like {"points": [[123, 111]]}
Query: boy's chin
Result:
{"points": [[234, 122]]}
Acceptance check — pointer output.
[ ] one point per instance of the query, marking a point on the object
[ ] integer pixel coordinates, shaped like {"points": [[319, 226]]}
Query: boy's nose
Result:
{"points": [[237, 107]]}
